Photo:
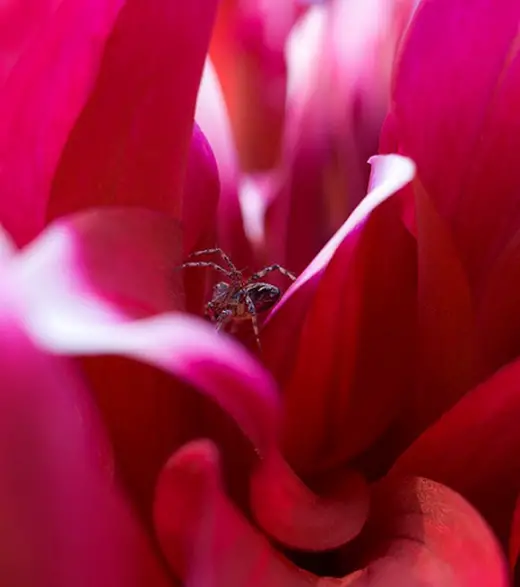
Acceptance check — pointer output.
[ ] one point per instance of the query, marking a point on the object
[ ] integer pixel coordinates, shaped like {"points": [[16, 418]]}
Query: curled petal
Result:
{"points": [[56, 493], [421, 533], [470, 447], [130, 144], [41, 99], [69, 315], [289, 511], [69, 261]]}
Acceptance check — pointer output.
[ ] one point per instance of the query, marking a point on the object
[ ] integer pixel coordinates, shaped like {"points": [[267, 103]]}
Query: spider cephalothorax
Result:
{"points": [[239, 298]]}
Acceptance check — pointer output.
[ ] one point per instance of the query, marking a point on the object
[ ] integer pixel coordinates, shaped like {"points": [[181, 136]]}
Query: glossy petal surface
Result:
{"points": [[422, 535], [130, 145], [64, 522], [40, 100]]}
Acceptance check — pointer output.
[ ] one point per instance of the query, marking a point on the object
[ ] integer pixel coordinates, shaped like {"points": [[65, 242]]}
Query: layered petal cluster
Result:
{"points": [[306, 88], [365, 443]]}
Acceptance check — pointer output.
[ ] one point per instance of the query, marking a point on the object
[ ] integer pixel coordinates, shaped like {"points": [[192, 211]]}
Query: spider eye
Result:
{"points": [[264, 296]]}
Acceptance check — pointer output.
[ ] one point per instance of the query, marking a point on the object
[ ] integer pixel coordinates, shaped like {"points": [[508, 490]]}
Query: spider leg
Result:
{"points": [[207, 264], [261, 274], [217, 251], [223, 319], [252, 311]]}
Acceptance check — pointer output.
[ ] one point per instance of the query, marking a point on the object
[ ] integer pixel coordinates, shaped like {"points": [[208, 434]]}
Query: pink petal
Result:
{"points": [[130, 145], [389, 174], [473, 446], [19, 23], [212, 116], [421, 533], [464, 137], [126, 257], [70, 315], [40, 100], [63, 521]]}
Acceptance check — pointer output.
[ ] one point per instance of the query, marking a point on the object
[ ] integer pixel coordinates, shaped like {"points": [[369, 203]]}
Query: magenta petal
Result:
{"points": [[69, 315], [130, 144], [464, 137], [127, 257], [470, 448], [39, 103], [63, 521], [390, 173]]}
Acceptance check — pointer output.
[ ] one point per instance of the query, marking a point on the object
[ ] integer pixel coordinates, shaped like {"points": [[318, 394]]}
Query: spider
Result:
{"points": [[238, 298]]}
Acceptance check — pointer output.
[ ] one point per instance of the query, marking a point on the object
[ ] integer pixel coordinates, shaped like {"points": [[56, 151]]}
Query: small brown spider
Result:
{"points": [[239, 298]]}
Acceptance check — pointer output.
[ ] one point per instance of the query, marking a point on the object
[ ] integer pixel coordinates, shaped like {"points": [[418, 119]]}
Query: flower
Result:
{"points": [[167, 453]]}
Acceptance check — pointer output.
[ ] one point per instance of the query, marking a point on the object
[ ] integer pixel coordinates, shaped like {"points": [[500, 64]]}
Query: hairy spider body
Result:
{"points": [[239, 298]]}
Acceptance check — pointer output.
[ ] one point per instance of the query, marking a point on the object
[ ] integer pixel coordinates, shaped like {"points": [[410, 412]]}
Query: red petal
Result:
{"points": [[472, 447], [497, 311], [63, 521], [446, 361], [464, 137], [40, 101], [248, 52], [389, 174], [514, 538], [422, 534], [130, 145]]}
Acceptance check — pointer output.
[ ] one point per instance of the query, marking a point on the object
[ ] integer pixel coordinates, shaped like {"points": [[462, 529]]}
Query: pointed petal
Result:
{"points": [[389, 174], [421, 533], [55, 494], [470, 448], [130, 145], [464, 137], [40, 101], [339, 58]]}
